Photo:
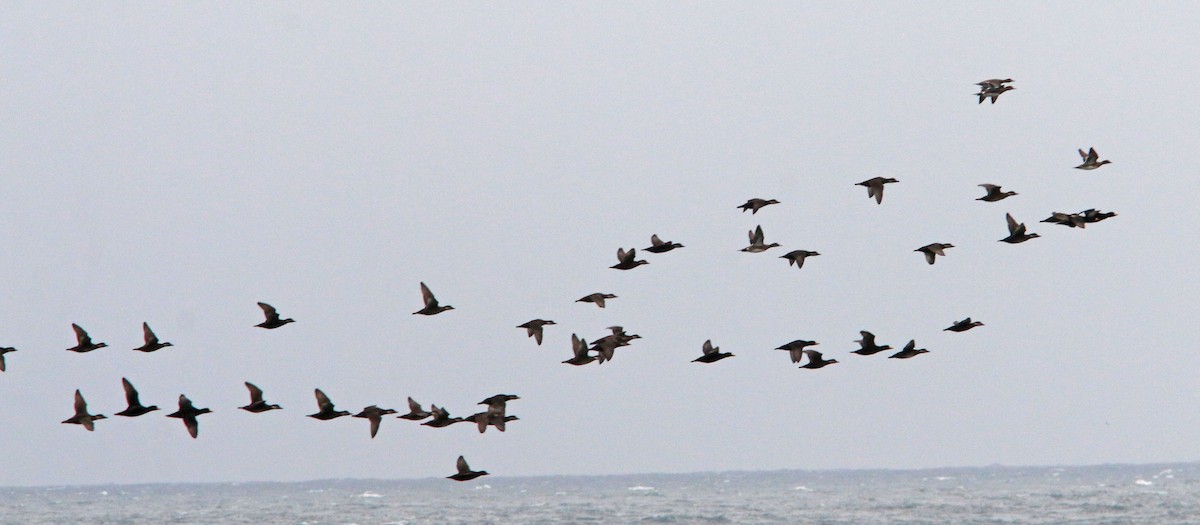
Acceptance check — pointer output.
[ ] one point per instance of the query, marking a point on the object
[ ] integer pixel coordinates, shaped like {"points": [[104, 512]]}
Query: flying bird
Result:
{"points": [[82, 417], [756, 204], [1094, 215], [993, 83], [187, 412], [992, 91], [1091, 160], [963, 326], [257, 405], [658, 246], [579, 348], [597, 298], [151, 340], [375, 415], [868, 345], [135, 408], [797, 257], [465, 473], [994, 194], [711, 354], [84, 341], [1016, 231], [1072, 220], [625, 259], [796, 348], [875, 187], [431, 303], [415, 412], [756, 242], [5, 350], [483, 419], [325, 409], [931, 250], [534, 329], [273, 321], [910, 350], [441, 418], [815, 360]]}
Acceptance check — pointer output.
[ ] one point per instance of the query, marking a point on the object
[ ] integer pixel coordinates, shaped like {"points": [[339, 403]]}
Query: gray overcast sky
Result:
{"points": [[175, 163]]}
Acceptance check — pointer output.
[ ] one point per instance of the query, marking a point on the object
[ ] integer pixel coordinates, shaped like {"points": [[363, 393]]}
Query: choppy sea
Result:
{"points": [[1108, 494]]}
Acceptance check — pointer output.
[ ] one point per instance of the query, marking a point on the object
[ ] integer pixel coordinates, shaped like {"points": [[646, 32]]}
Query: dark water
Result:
{"points": [[1110, 494]]}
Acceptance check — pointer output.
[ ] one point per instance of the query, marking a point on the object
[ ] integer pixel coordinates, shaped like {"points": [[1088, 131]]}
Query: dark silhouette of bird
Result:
{"points": [[626, 259], [868, 346], [431, 303], [963, 326], [756, 242], [257, 405], [135, 408], [273, 320], [375, 415], [1091, 160], [756, 204], [1094, 215], [82, 417], [325, 409], [499, 402], [187, 412], [415, 412], [441, 418], [994, 194], [483, 419], [607, 345], [84, 341], [930, 250], [797, 257], [465, 473], [5, 350], [597, 298], [910, 350], [1016, 231], [874, 187], [993, 83], [579, 348], [796, 348], [152, 342], [658, 246], [1071, 220], [993, 92], [815, 360], [711, 354], [534, 329]]}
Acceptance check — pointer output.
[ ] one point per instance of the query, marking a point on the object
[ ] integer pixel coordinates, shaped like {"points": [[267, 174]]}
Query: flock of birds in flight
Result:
{"points": [[600, 350]]}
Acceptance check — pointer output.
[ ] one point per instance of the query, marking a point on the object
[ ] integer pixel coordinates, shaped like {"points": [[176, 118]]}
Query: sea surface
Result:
{"points": [[1108, 494]]}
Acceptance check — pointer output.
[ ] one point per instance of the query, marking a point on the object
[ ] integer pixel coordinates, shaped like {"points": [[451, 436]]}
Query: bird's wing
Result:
{"points": [[655, 241], [322, 399], [131, 394], [192, 425], [463, 468], [708, 348], [537, 334], [929, 256], [868, 338], [427, 295], [148, 334], [256, 394], [1012, 223], [80, 404], [1092, 156], [414, 406], [81, 335], [374, 425], [912, 343], [185, 404], [268, 310]]}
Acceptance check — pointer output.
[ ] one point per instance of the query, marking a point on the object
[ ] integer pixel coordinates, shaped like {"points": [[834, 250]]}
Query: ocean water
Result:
{"points": [[1109, 494]]}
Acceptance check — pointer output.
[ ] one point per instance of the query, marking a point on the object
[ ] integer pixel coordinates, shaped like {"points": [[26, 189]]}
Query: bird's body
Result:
{"points": [[82, 417], [962, 326], [1016, 231], [753, 205], [797, 257], [465, 473], [257, 405], [5, 350], [934, 249], [151, 340], [441, 418], [431, 303], [626, 260], [483, 419], [84, 341], [993, 83], [1091, 160], [415, 411], [272, 317], [374, 414], [658, 246], [188, 413], [1071, 220], [992, 92], [756, 242], [910, 350], [135, 408], [796, 348], [868, 345], [711, 354], [325, 408], [815, 360], [534, 329], [579, 349], [994, 194], [874, 187], [596, 298]]}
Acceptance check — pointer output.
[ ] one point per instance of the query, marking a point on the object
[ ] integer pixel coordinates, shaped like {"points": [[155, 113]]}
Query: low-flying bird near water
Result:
{"points": [[796, 348], [874, 187], [1016, 231], [325, 408], [711, 354], [797, 257], [415, 412], [867, 344], [534, 329], [658, 246], [815, 360], [465, 473], [82, 417], [151, 340], [994, 194], [84, 341], [626, 259], [962, 326], [375, 415], [596, 298], [1091, 160], [257, 405], [431, 303], [934, 249], [272, 317], [910, 350], [188, 412], [753, 205], [756, 242]]}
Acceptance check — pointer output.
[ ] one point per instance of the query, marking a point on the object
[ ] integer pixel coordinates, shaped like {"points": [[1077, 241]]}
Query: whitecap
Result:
{"points": [[369, 494], [802, 487], [1143, 482], [640, 487], [484, 486]]}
